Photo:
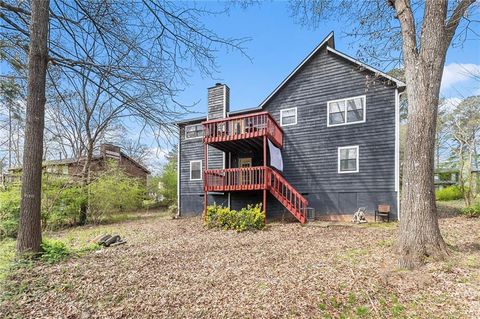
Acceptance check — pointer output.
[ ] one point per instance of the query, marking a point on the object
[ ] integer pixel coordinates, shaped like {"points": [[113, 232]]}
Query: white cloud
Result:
{"points": [[456, 73]]}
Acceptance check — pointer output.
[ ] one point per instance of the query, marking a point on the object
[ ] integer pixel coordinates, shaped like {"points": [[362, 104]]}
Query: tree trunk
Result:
{"points": [[29, 231], [85, 181], [419, 234]]}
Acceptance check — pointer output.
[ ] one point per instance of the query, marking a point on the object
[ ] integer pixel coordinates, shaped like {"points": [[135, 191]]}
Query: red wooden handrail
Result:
{"points": [[238, 117], [242, 127], [279, 186]]}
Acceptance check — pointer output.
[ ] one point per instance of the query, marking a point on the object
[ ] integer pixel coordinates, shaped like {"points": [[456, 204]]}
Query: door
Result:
{"points": [[245, 176]]}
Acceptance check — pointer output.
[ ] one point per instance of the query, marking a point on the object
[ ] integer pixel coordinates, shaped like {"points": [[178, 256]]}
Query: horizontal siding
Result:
{"points": [[311, 148], [310, 151], [190, 150]]}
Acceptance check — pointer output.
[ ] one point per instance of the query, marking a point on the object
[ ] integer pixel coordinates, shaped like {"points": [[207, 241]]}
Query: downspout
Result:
{"points": [[397, 149], [179, 211]]}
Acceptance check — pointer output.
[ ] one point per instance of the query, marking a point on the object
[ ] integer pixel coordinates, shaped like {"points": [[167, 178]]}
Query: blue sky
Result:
{"points": [[278, 45]]}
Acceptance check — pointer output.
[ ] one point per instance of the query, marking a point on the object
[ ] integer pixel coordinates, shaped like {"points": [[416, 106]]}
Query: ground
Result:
{"points": [[179, 269]]}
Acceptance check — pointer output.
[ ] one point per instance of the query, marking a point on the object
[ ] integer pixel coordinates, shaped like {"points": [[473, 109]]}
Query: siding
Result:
{"points": [[310, 148]]}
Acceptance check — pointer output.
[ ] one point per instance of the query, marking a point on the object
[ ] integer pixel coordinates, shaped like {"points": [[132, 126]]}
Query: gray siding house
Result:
{"points": [[335, 122]]}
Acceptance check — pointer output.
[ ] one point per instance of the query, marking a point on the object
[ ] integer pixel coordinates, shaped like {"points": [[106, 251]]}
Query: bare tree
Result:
{"points": [[422, 31], [139, 54]]}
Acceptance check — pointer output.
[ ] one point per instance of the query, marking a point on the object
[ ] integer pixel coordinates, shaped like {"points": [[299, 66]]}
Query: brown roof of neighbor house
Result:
{"points": [[68, 161]]}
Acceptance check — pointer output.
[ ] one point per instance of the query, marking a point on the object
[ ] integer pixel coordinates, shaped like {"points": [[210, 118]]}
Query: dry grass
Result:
{"points": [[178, 269]]}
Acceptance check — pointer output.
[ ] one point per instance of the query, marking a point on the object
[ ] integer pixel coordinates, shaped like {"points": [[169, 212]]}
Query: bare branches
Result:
{"points": [[122, 59], [407, 22], [455, 18]]}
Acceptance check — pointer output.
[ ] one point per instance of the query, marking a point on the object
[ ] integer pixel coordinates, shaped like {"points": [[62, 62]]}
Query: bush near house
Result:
{"points": [[249, 218], [449, 193]]}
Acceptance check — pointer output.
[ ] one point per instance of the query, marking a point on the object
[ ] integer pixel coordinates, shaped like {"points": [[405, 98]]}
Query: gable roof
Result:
{"points": [[367, 67], [329, 43]]}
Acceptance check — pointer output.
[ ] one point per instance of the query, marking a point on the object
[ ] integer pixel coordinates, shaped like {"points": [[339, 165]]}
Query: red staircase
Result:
{"points": [[247, 133], [287, 195], [257, 178]]}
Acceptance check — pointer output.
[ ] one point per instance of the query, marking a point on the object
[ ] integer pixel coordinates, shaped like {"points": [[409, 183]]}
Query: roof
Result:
{"points": [[68, 161], [329, 43]]}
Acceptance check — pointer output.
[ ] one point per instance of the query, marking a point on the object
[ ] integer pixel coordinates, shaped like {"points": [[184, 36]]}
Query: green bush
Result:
{"points": [[61, 201], [249, 218], [9, 212], [114, 192], [471, 211], [54, 250], [448, 193]]}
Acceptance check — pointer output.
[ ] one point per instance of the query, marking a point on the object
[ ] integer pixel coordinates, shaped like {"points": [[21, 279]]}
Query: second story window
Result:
{"points": [[193, 131], [288, 116], [346, 111]]}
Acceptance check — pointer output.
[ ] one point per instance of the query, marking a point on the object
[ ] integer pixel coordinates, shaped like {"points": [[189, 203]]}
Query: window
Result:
{"points": [[195, 170], [288, 116], [193, 131], [348, 159], [346, 111]]}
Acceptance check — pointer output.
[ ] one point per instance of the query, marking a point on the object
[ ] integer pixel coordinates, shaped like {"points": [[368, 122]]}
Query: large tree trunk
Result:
{"points": [[29, 231], [419, 235]]}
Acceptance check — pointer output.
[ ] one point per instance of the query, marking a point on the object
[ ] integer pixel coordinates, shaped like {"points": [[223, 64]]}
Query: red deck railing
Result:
{"points": [[243, 127], [235, 179], [257, 178]]}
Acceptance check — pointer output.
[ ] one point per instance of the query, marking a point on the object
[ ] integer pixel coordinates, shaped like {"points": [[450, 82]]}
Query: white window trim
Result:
{"points": [[192, 138], [338, 159], [346, 109], [201, 172], [285, 110]]}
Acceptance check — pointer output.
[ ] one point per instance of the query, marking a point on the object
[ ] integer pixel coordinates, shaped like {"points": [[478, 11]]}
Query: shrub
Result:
{"points": [[9, 212], [114, 192], [248, 218], [471, 211], [61, 201], [448, 193], [54, 250]]}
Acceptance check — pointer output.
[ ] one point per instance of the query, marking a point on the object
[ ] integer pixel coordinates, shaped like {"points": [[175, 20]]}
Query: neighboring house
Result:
{"points": [[446, 177], [335, 122], [451, 176], [73, 167]]}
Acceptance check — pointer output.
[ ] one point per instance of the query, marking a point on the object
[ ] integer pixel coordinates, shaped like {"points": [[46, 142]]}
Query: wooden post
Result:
{"points": [[205, 181], [265, 176]]}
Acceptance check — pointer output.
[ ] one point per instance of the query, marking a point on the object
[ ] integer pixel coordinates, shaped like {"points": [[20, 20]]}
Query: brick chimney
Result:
{"points": [[218, 101], [110, 151]]}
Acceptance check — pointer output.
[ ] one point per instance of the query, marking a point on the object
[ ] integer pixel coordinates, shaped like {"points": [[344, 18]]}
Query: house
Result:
{"points": [[333, 124], [444, 177], [73, 167]]}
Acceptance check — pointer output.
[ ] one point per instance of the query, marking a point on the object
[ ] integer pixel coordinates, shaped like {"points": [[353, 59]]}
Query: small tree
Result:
{"points": [[168, 178]]}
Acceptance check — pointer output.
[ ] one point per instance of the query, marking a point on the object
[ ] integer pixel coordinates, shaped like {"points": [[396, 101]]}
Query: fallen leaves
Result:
{"points": [[178, 269]]}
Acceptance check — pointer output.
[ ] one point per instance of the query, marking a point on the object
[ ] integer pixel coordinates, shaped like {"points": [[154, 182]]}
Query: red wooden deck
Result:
{"points": [[242, 127], [257, 178]]}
